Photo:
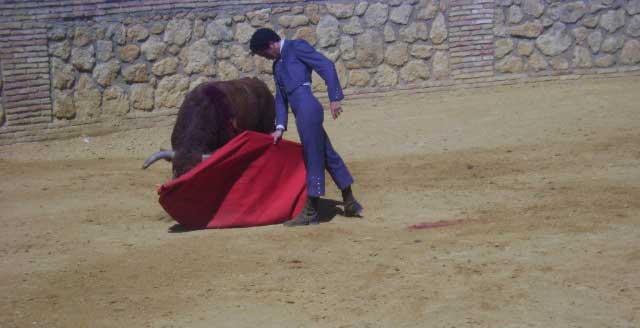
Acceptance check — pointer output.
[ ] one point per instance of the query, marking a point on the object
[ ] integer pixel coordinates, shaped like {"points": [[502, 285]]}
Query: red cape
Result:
{"points": [[248, 182]]}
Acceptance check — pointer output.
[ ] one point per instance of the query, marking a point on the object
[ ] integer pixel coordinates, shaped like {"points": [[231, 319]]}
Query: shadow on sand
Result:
{"points": [[328, 209]]}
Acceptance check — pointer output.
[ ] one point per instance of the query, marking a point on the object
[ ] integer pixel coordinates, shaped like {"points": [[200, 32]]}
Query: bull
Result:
{"points": [[211, 115]]}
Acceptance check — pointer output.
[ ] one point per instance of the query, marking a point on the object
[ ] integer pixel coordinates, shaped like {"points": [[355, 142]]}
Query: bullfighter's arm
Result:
{"points": [[281, 109], [323, 66]]}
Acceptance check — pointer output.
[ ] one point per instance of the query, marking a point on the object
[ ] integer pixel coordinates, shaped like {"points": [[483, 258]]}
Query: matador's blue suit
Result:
{"points": [[292, 75]]}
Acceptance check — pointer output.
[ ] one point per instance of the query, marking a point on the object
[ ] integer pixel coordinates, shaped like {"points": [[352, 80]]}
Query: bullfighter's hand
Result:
{"points": [[336, 109], [277, 135]]}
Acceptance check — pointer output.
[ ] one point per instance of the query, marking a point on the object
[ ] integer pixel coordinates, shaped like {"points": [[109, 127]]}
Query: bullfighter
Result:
{"points": [[293, 61]]}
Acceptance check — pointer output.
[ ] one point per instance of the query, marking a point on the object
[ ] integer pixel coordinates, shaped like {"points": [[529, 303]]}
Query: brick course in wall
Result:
{"points": [[471, 38], [24, 59], [61, 10]]}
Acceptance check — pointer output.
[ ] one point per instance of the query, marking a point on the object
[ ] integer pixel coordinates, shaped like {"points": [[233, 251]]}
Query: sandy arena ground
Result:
{"points": [[542, 181]]}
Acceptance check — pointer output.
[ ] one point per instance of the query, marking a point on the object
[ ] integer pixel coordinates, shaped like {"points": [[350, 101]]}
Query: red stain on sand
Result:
{"points": [[437, 224]]}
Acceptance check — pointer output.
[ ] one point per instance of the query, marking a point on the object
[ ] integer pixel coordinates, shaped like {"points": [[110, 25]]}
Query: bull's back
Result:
{"points": [[250, 103], [224, 109]]}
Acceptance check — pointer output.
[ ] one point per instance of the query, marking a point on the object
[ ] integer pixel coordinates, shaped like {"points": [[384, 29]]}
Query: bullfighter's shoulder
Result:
{"points": [[301, 44]]}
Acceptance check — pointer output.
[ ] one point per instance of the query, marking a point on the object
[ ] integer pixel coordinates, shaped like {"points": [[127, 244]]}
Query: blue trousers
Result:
{"points": [[318, 152]]}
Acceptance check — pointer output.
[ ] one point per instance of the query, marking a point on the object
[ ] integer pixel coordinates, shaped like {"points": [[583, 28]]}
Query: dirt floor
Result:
{"points": [[540, 184]]}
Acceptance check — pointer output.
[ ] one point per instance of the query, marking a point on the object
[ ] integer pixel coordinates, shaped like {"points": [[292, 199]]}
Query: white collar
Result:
{"points": [[281, 46]]}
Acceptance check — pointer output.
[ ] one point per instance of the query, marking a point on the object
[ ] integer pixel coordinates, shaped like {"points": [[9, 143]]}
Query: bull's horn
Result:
{"points": [[161, 154]]}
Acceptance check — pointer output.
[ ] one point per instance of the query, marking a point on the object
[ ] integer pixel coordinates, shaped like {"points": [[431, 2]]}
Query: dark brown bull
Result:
{"points": [[211, 115]]}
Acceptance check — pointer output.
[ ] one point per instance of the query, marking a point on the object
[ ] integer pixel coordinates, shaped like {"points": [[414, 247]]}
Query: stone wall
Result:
{"points": [[102, 66], [538, 36]]}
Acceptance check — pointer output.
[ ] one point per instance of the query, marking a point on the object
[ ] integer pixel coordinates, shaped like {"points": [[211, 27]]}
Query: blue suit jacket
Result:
{"points": [[293, 69]]}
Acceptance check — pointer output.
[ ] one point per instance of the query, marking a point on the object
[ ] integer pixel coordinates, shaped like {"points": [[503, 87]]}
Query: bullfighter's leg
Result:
{"points": [[308, 113], [335, 165], [342, 178], [318, 152], [309, 118]]}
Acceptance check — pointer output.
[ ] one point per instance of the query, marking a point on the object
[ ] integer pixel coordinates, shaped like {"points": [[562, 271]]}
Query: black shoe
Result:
{"points": [[353, 209], [351, 206], [303, 219], [309, 214]]}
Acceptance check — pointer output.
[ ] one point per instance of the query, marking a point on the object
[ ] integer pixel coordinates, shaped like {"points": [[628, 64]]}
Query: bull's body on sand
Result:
{"points": [[543, 181]]}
